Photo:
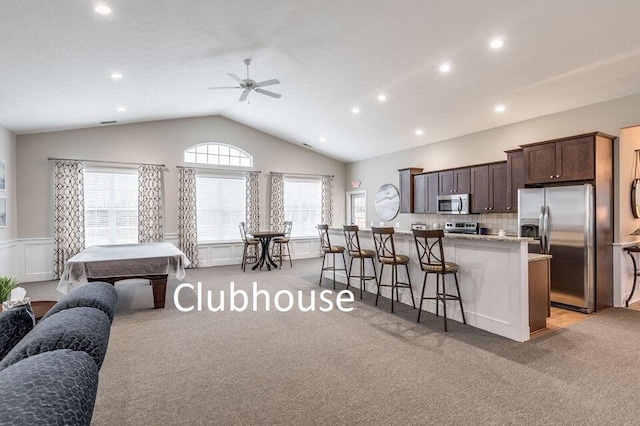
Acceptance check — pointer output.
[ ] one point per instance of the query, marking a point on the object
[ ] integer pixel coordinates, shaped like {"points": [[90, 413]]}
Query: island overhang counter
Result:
{"points": [[493, 277]]}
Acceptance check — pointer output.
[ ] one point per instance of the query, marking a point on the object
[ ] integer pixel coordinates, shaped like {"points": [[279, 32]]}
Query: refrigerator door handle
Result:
{"points": [[541, 232], [546, 230]]}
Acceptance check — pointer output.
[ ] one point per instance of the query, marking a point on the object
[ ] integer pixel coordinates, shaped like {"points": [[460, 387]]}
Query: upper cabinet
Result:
{"points": [[489, 188], [425, 191], [515, 178], [406, 189], [562, 160], [456, 181]]}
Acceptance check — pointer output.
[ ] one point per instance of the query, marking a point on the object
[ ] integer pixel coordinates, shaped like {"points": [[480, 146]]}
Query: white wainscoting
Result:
{"points": [[31, 259]]}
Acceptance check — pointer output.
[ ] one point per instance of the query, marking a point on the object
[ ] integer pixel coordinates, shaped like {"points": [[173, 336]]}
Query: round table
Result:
{"points": [[265, 239]]}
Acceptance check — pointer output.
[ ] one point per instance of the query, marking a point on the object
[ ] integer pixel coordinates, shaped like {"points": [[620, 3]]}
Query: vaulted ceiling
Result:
{"points": [[56, 58]]}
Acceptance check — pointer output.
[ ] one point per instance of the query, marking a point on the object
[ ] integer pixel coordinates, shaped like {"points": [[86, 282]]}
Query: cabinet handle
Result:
{"points": [[490, 208], [486, 208], [508, 207], [557, 176], [551, 177]]}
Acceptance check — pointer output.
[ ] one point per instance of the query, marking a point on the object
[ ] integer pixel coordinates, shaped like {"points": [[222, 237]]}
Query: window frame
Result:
{"points": [[297, 178], [218, 145]]}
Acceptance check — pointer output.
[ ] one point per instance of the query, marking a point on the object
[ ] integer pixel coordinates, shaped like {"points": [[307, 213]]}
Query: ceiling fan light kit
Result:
{"points": [[247, 85]]}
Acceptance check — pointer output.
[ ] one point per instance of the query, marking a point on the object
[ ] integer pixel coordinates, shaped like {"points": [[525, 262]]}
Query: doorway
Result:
{"points": [[357, 208]]}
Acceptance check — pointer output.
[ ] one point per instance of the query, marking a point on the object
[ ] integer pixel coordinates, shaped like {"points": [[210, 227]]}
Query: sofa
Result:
{"points": [[49, 372]]}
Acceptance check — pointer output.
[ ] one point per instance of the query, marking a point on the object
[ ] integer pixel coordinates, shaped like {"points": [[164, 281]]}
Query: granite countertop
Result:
{"points": [[506, 238], [533, 257]]}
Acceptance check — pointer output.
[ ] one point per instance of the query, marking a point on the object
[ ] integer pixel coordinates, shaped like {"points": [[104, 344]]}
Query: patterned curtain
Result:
{"points": [[187, 223], [253, 202], [69, 213], [277, 201], [150, 219], [327, 200]]}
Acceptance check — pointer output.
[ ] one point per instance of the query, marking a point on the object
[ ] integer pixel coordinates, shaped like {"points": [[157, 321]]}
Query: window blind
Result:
{"points": [[303, 205], [220, 203]]}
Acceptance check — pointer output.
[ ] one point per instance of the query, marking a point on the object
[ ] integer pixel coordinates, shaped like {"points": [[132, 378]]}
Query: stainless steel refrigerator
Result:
{"points": [[561, 218]]}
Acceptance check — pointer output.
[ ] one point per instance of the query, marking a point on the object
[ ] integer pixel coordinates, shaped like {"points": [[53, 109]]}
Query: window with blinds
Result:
{"points": [[110, 206], [303, 205], [220, 203]]}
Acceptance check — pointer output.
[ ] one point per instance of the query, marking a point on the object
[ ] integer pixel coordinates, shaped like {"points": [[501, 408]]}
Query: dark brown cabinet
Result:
{"points": [[515, 178], [425, 190], [489, 188], [456, 181], [563, 160], [406, 189]]}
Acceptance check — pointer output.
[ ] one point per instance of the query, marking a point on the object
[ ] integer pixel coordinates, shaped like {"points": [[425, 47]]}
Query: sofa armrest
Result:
{"points": [[97, 295]]}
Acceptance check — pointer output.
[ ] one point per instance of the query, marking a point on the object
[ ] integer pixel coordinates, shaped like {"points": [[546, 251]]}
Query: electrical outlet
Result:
{"points": [[381, 223], [397, 224]]}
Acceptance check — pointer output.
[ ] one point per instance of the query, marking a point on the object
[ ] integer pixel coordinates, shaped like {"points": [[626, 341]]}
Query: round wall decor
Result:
{"points": [[387, 202]]}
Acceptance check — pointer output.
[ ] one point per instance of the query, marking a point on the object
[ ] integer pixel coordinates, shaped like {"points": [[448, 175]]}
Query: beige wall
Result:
{"points": [[155, 142], [624, 153], [608, 117], [8, 154]]}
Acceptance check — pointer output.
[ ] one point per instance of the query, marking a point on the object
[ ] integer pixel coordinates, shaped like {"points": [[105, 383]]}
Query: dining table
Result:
{"points": [[265, 238]]}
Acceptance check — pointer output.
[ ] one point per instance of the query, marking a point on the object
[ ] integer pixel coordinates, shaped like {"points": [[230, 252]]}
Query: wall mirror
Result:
{"points": [[387, 202], [635, 186]]}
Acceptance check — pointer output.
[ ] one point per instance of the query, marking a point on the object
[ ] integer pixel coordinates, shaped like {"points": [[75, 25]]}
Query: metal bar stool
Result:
{"points": [[355, 252], [281, 243], [431, 257], [327, 248], [386, 251], [250, 252]]}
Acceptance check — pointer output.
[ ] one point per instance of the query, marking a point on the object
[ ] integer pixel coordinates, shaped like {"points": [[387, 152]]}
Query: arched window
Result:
{"points": [[218, 154]]}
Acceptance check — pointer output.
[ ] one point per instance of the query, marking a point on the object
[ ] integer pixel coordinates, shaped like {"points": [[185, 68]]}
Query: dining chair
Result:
{"points": [[250, 251], [282, 243]]}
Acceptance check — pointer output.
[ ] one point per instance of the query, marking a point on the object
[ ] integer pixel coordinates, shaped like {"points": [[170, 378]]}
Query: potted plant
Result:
{"points": [[6, 285]]}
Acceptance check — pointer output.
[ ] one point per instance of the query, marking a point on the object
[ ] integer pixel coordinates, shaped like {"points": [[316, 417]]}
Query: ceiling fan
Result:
{"points": [[247, 85]]}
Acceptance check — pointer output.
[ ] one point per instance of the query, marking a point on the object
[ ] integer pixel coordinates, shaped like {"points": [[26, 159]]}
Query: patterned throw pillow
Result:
{"points": [[15, 323]]}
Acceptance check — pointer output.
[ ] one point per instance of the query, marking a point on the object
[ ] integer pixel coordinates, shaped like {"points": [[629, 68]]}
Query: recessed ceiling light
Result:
{"points": [[445, 68], [496, 43], [382, 97], [500, 108], [116, 76], [121, 109], [102, 9], [323, 140], [419, 132], [355, 110]]}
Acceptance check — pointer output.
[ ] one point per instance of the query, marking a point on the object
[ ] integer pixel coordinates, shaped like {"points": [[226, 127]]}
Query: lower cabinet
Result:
{"points": [[539, 299]]}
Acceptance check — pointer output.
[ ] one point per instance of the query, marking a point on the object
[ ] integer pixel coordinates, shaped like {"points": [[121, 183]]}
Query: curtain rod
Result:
{"points": [[219, 169], [299, 174], [103, 161]]}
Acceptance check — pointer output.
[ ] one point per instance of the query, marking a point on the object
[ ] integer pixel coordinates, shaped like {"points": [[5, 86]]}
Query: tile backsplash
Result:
{"points": [[493, 221]]}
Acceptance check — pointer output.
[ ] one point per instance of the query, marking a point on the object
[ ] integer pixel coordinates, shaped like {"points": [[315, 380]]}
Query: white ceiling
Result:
{"points": [[56, 58]]}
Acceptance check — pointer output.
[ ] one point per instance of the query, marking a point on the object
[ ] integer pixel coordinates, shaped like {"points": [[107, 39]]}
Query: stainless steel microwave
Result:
{"points": [[453, 204]]}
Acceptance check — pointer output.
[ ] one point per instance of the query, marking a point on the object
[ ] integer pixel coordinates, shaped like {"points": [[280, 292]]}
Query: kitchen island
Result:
{"points": [[494, 281]]}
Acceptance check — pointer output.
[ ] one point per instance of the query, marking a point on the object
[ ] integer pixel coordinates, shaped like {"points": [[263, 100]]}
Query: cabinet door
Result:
{"points": [[479, 189], [515, 179], [498, 188], [540, 163], [406, 189], [446, 182], [432, 193], [462, 178], [419, 193], [575, 159]]}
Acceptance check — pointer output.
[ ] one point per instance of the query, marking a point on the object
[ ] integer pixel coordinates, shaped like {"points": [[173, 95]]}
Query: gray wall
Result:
{"points": [[608, 117], [8, 154], [155, 142]]}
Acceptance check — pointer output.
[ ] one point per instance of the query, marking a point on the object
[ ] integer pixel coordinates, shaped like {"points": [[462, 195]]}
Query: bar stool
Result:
{"points": [[431, 257], [327, 248], [283, 242], [249, 243], [355, 252], [386, 251]]}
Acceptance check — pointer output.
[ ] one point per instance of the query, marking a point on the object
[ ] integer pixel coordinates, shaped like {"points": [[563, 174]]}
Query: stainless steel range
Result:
{"points": [[461, 227]]}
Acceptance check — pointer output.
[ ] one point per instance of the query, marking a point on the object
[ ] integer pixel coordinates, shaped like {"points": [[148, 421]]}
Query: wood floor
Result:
{"points": [[561, 318]]}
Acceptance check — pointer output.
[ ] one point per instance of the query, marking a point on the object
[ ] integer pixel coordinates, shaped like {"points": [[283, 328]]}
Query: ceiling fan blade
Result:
{"points": [[267, 83], [236, 78], [244, 95], [268, 93], [227, 87]]}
